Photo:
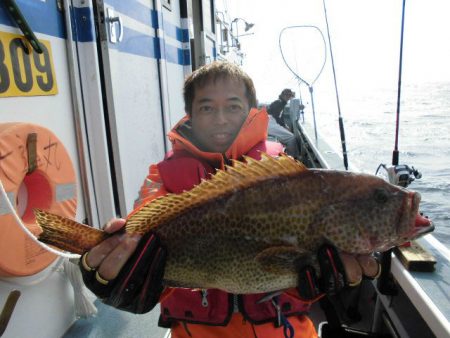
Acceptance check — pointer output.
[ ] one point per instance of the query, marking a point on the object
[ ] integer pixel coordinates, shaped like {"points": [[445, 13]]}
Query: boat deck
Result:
{"points": [[110, 322]]}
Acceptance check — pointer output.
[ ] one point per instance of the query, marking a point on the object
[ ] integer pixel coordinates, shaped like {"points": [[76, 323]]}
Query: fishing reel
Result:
{"points": [[400, 174]]}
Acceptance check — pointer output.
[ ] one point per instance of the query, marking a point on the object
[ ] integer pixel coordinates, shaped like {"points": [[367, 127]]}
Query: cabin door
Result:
{"points": [[129, 61]]}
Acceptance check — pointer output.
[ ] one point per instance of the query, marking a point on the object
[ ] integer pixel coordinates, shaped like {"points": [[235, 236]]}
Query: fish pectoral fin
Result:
{"points": [[280, 259]]}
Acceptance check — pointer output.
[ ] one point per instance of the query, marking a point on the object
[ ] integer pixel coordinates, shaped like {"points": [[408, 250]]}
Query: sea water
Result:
{"points": [[423, 142]]}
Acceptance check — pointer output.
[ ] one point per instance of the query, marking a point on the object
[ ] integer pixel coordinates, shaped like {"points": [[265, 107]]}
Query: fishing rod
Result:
{"points": [[385, 283], [300, 79], [341, 121], [401, 175], [395, 153]]}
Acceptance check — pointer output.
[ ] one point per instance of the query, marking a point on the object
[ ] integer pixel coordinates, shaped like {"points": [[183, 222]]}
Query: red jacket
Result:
{"points": [[217, 310]]}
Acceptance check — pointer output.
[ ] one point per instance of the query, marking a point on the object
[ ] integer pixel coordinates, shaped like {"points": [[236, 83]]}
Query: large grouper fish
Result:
{"points": [[248, 228]]}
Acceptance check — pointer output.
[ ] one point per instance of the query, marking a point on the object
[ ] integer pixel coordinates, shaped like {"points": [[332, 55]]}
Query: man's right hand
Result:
{"points": [[125, 270]]}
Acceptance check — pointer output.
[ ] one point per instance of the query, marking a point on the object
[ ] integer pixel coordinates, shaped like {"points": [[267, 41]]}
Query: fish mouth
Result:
{"points": [[422, 225], [419, 225], [410, 225]]}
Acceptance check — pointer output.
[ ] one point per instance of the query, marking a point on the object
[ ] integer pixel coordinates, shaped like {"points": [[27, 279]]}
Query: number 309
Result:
{"points": [[24, 69]]}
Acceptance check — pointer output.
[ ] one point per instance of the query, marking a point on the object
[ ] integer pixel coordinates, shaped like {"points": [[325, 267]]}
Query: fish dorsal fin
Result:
{"points": [[238, 176]]}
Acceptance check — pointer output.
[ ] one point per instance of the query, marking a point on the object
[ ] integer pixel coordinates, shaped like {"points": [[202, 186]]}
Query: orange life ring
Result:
{"points": [[36, 172]]}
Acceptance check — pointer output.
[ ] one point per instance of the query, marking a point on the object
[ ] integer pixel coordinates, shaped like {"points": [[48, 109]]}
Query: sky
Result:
{"points": [[365, 41]]}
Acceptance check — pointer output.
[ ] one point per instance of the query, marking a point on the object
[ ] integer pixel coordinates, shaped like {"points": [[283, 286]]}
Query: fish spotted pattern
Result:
{"points": [[249, 228]]}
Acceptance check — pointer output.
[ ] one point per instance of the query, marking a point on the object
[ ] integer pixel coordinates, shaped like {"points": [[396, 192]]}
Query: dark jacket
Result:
{"points": [[276, 110]]}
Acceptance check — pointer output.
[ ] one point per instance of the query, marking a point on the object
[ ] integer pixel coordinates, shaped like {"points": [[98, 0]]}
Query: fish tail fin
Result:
{"points": [[66, 234]]}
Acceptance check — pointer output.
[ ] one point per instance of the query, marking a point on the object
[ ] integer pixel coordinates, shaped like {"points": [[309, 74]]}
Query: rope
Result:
{"points": [[83, 298], [341, 122]]}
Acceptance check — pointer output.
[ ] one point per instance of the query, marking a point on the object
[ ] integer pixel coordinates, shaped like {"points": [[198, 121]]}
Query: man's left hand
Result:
{"points": [[337, 270]]}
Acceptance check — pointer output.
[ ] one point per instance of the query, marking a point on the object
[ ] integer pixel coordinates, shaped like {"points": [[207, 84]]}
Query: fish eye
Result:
{"points": [[380, 195]]}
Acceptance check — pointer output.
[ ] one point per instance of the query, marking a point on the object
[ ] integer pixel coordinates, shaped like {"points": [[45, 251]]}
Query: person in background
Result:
{"points": [[277, 126], [276, 107], [126, 271]]}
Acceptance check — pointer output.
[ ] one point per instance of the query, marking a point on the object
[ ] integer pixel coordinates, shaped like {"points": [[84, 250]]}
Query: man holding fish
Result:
{"points": [[222, 245]]}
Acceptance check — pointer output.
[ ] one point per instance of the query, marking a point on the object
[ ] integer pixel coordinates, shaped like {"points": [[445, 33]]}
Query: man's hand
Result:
{"points": [[358, 267], [125, 271], [337, 270]]}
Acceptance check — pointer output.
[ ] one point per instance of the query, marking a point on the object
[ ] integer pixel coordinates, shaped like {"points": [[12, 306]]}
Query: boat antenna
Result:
{"points": [[341, 122], [301, 80], [385, 282]]}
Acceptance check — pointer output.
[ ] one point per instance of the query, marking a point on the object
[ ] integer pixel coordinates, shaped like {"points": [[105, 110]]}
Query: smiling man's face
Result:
{"points": [[219, 109]]}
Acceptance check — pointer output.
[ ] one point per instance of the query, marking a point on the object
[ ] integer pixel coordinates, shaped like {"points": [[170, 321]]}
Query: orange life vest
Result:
{"points": [[215, 307], [193, 313]]}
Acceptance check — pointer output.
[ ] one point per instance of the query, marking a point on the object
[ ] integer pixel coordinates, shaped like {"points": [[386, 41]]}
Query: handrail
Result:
{"points": [[16, 14]]}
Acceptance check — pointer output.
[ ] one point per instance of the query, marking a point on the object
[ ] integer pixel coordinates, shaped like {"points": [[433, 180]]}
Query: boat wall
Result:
{"points": [[111, 107], [45, 306]]}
